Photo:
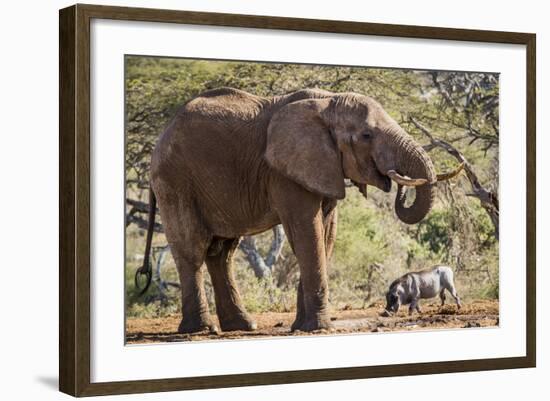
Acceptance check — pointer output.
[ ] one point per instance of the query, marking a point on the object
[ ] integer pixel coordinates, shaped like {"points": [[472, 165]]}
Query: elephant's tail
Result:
{"points": [[146, 268]]}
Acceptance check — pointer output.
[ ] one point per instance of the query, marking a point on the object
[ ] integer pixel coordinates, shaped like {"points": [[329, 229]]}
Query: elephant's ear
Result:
{"points": [[300, 147]]}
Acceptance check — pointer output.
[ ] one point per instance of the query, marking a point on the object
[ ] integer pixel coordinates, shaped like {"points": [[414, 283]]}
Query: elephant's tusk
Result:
{"points": [[448, 176], [406, 181]]}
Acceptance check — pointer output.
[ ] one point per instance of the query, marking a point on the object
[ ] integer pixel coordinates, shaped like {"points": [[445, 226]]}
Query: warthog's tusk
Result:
{"points": [[448, 176], [406, 181]]}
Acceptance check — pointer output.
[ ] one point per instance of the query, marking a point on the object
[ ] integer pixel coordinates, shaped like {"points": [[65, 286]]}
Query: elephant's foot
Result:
{"points": [[202, 324], [299, 321], [240, 322], [317, 323], [297, 324]]}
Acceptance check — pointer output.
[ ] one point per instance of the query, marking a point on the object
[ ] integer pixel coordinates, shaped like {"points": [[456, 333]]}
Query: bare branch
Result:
{"points": [[488, 199], [263, 267]]}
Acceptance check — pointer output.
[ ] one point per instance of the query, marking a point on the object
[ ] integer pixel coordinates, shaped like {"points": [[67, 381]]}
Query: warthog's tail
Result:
{"points": [[146, 268]]}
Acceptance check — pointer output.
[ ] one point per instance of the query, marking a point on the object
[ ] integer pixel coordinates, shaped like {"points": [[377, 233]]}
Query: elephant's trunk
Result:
{"points": [[413, 162], [420, 207]]}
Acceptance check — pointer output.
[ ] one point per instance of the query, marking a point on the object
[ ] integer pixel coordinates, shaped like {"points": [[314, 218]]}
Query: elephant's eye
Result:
{"points": [[366, 135]]}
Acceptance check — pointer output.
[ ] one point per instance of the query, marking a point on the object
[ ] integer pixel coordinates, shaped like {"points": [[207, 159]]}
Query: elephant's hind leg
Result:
{"points": [[195, 314], [188, 241], [231, 313]]}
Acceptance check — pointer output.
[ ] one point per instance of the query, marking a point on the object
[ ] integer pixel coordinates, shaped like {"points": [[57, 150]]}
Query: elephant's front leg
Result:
{"points": [[309, 247], [300, 309], [302, 217], [330, 217], [229, 308]]}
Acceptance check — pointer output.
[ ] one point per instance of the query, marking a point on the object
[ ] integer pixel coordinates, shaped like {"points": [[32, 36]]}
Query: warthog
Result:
{"points": [[412, 287]]}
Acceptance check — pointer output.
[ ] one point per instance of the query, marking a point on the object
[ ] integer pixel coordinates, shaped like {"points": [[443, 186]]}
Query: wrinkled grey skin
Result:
{"points": [[232, 164], [410, 288]]}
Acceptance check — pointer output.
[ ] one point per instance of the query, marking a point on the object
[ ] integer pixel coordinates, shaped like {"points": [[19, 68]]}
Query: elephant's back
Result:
{"points": [[220, 118], [213, 149], [215, 126], [224, 106]]}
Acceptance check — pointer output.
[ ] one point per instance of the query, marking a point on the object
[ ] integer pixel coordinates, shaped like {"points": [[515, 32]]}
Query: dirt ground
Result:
{"points": [[481, 313]]}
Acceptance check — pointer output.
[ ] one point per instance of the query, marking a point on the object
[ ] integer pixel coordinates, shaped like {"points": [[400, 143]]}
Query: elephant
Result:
{"points": [[231, 164]]}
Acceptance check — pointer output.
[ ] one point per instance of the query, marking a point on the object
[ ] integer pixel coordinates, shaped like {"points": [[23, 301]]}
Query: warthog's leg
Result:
{"points": [[453, 292], [414, 305], [442, 296], [456, 297], [415, 294]]}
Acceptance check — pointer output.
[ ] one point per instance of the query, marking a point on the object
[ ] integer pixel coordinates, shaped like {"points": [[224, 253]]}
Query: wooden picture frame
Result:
{"points": [[74, 203]]}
